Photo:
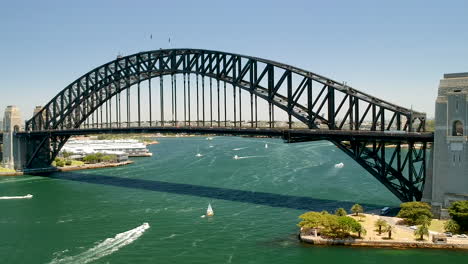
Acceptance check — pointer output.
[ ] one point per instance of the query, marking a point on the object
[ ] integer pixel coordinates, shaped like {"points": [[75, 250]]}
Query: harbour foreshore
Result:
{"points": [[379, 243], [69, 168]]}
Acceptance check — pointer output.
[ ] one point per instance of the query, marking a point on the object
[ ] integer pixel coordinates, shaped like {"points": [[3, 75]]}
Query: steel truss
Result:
{"points": [[312, 99]]}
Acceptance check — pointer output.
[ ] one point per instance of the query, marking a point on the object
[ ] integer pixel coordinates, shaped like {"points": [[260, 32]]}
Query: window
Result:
{"points": [[457, 129]]}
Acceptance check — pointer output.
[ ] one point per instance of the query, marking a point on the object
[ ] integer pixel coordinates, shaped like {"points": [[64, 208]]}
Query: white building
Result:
{"points": [[122, 148]]}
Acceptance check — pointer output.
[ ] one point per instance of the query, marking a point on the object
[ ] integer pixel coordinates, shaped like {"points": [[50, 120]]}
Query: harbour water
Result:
{"points": [[150, 211]]}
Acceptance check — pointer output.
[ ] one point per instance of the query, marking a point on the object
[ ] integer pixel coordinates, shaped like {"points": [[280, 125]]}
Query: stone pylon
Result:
{"points": [[449, 181], [12, 123]]}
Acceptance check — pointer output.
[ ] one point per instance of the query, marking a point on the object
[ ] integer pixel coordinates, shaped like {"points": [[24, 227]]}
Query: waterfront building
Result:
{"points": [[122, 147]]}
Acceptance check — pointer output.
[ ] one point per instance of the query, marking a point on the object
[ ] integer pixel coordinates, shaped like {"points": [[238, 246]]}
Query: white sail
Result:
{"points": [[209, 211], [266, 145]]}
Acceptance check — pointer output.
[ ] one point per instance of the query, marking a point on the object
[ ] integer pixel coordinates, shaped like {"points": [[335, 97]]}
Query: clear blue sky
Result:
{"points": [[396, 50]]}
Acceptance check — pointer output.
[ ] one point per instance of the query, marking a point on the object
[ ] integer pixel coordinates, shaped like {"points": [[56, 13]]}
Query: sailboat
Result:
{"points": [[209, 211], [236, 157], [266, 145], [198, 153]]}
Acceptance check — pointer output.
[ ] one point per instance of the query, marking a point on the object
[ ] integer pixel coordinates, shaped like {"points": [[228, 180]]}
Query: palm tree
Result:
{"points": [[356, 209], [361, 231], [380, 223], [422, 231], [389, 229]]}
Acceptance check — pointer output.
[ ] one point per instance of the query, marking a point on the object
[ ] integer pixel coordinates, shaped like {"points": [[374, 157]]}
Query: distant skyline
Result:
{"points": [[395, 50]]}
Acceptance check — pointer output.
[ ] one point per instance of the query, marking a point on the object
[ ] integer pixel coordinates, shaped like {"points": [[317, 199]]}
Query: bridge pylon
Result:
{"points": [[12, 123], [449, 181]]}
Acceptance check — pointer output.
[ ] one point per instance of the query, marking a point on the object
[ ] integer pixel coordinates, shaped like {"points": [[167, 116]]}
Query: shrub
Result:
{"points": [[459, 212], [68, 162], [414, 212], [60, 163], [452, 226]]}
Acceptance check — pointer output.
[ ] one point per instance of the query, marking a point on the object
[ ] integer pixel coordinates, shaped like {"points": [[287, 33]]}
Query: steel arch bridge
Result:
{"points": [[387, 140]]}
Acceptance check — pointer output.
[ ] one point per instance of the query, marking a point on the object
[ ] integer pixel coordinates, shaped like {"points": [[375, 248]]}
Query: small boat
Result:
{"points": [[209, 138], [199, 155], [266, 145], [236, 157], [339, 165], [209, 211]]}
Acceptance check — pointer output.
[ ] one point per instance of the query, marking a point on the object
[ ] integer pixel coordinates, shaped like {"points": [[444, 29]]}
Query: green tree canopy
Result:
{"points": [[330, 225], [311, 220], [357, 209], [341, 212], [413, 212], [458, 210]]}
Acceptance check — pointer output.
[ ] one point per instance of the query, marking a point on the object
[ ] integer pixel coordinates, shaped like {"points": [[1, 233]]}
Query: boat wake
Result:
{"points": [[236, 149], [28, 196], [106, 247], [246, 157]]}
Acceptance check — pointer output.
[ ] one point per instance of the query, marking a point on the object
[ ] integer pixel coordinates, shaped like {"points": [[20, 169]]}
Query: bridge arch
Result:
{"points": [[303, 95], [72, 105]]}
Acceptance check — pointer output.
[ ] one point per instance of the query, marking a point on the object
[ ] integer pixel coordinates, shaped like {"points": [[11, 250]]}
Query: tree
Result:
{"points": [[389, 229], [60, 163], [380, 224], [459, 212], [91, 158], [66, 154], [109, 158], [341, 212], [423, 230], [330, 225], [361, 231], [413, 212], [451, 226], [356, 209], [311, 220]]}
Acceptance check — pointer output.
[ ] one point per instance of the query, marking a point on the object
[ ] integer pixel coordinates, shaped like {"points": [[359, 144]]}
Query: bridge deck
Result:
{"points": [[303, 134]]}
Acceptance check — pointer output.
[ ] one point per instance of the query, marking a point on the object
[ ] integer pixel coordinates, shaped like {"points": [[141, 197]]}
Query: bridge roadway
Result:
{"points": [[290, 135]]}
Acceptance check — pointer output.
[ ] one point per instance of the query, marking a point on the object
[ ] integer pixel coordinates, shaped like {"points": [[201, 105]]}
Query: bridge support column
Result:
{"points": [[12, 123], [450, 179]]}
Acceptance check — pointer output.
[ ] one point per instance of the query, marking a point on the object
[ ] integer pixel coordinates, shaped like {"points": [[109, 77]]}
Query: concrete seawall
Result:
{"points": [[378, 244]]}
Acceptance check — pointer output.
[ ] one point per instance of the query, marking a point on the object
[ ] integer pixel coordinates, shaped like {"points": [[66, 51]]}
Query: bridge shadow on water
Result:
{"points": [[259, 198]]}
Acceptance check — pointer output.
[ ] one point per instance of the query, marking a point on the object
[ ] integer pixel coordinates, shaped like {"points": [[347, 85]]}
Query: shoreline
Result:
{"points": [[95, 166], [402, 236], [396, 244], [70, 168]]}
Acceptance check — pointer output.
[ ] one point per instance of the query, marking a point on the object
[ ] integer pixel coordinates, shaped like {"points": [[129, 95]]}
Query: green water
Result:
{"points": [[98, 216]]}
